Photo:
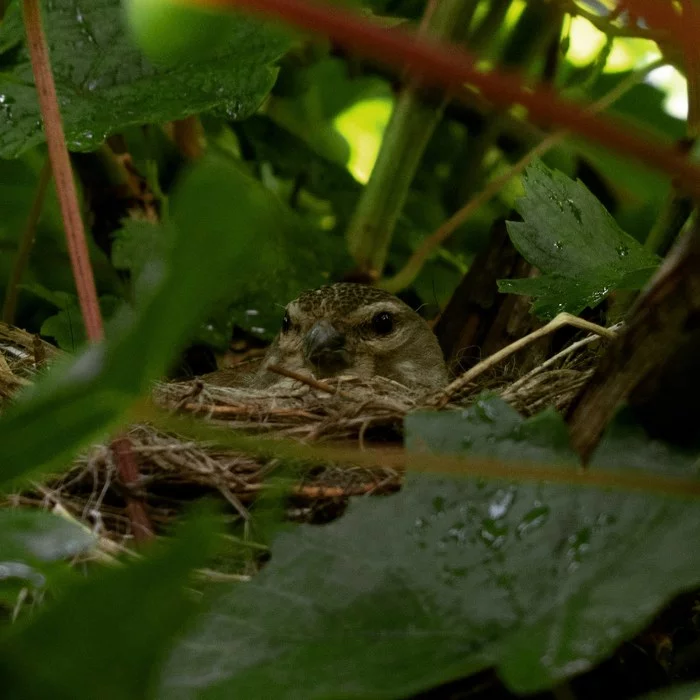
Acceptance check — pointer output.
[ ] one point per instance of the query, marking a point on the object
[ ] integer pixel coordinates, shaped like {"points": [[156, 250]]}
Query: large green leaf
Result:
{"points": [[106, 636], [104, 83], [225, 235], [450, 576], [272, 268], [578, 247]]}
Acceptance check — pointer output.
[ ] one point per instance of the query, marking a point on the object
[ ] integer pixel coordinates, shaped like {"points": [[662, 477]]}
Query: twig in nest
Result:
{"points": [[215, 410], [374, 402], [315, 492], [235, 502], [559, 356], [555, 324], [221, 577], [303, 378]]}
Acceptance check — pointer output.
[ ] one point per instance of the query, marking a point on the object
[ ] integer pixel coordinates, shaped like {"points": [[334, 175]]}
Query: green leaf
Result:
{"points": [[292, 158], [81, 400], [36, 536], [446, 578], [61, 300], [30, 542], [105, 84], [66, 411], [492, 428], [137, 243], [277, 255], [11, 28], [107, 636], [67, 327], [578, 247]]}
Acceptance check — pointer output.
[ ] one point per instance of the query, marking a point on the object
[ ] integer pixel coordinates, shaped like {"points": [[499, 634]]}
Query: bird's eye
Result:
{"points": [[286, 323], [383, 323]]}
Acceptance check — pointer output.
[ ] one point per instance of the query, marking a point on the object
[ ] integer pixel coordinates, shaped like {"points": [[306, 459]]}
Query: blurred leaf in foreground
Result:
{"points": [[578, 247], [31, 542], [446, 578], [114, 628], [222, 220], [38, 536]]}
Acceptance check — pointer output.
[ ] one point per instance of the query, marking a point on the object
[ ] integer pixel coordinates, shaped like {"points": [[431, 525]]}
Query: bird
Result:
{"points": [[349, 329], [356, 330]]}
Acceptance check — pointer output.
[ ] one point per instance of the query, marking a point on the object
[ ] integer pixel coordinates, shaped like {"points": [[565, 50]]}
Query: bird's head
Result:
{"points": [[352, 329]]}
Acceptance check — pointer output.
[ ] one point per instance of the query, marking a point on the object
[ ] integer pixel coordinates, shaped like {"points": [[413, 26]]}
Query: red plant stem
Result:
{"points": [[75, 235], [63, 175], [129, 473], [451, 67]]}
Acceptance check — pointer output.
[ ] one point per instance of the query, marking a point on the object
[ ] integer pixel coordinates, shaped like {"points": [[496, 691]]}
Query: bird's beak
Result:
{"points": [[324, 347]]}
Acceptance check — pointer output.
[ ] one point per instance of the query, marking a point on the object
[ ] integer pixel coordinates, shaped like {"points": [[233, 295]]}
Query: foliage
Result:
{"points": [[569, 236], [452, 575], [32, 547], [90, 394], [107, 649], [105, 84]]}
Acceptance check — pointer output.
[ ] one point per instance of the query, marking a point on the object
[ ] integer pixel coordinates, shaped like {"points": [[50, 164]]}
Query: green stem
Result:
{"points": [[678, 206], [670, 221], [482, 36], [26, 243], [412, 123], [534, 31], [114, 169]]}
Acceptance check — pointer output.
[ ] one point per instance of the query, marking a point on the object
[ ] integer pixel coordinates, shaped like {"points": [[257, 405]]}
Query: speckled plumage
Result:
{"points": [[339, 299], [330, 332]]}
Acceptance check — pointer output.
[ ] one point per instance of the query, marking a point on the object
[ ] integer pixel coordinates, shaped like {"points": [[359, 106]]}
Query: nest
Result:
{"points": [[174, 469]]}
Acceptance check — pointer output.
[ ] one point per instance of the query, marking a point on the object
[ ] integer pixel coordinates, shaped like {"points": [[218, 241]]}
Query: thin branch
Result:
{"points": [[404, 277], [516, 385], [26, 243], [60, 165], [303, 378], [451, 67], [606, 23], [248, 411], [561, 320]]}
